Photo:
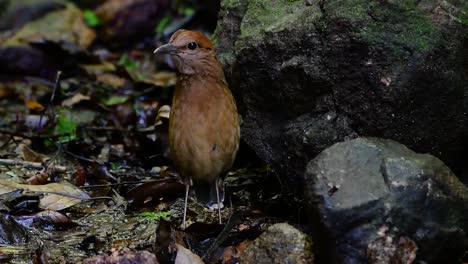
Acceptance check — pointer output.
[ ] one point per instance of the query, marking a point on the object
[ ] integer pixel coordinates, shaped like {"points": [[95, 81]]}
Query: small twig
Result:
{"points": [[149, 129], [233, 220], [29, 164], [18, 134], [101, 198], [99, 162], [56, 87], [49, 106], [115, 184], [107, 129]]}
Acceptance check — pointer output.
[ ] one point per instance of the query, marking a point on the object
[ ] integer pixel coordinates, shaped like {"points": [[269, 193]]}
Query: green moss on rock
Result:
{"points": [[275, 16], [398, 24], [404, 27], [231, 4]]}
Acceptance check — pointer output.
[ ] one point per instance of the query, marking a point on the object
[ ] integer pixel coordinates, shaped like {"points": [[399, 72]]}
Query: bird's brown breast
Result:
{"points": [[204, 129]]}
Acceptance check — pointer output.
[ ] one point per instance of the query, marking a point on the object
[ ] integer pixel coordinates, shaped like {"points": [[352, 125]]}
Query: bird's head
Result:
{"points": [[192, 52]]}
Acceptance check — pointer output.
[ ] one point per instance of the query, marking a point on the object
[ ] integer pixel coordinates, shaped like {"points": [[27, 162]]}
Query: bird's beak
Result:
{"points": [[166, 49]]}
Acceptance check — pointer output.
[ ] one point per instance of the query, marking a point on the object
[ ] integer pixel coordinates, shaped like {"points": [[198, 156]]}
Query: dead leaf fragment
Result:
{"points": [[162, 79], [185, 256], [33, 105], [123, 255], [112, 80], [164, 111], [96, 69], [64, 25], [39, 178], [30, 155], [75, 99], [58, 195]]}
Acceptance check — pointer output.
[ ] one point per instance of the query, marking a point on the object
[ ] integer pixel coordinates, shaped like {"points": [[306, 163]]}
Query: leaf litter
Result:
{"points": [[85, 171]]}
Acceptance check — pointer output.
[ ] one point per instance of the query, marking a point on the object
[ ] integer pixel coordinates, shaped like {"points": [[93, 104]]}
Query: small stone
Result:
{"points": [[280, 243]]}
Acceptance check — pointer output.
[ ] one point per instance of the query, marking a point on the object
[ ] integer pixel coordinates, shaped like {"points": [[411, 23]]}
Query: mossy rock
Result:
{"points": [[308, 74]]}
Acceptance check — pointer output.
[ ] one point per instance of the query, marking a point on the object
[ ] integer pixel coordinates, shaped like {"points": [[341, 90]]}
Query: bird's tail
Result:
{"points": [[206, 193]]}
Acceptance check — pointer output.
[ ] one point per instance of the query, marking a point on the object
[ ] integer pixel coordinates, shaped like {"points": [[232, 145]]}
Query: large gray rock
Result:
{"points": [[377, 201], [308, 74]]}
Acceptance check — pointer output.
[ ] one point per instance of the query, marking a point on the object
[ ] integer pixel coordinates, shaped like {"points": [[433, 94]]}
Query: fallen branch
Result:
{"points": [[33, 165]]}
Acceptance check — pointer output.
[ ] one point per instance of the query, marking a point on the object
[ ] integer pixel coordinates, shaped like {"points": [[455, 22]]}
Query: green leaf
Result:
{"points": [[126, 62], [11, 173], [115, 166], [155, 215], [48, 142], [91, 18], [115, 100], [65, 127], [188, 11], [162, 25]]}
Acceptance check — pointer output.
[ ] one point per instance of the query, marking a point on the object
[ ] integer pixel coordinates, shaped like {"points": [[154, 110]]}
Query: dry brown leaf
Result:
{"points": [[58, 195], [75, 99], [163, 79], [185, 256], [235, 251], [5, 91], [53, 217], [39, 178], [33, 105], [112, 80], [30, 155], [65, 25], [57, 202], [164, 111], [108, 10], [95, 69]]}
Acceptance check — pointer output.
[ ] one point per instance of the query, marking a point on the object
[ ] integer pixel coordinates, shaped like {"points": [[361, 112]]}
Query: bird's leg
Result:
{"points": [[187, 187], [219, 203]]}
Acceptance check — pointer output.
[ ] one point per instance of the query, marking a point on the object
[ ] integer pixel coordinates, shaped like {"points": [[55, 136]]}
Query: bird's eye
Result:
{"points": [[192, 45]]}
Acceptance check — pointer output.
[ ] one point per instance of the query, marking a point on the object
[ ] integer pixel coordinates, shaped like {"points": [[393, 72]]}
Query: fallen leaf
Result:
{"points": [[76, 98], [58, 195], [164, 111], [112, 80], [47, 216], [80, 175], [30, 155], [91, 18], [234, 252], [124, 19], [66, 25], [123, 255], [162, 79], [115, 100], [39, 178], [185, 256], [95, 69], [34, 105], [155, 190], [5, 91]]}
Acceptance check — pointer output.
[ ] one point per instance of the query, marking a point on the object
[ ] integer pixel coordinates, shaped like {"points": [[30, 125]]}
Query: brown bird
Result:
{"points": [[204, 124]]}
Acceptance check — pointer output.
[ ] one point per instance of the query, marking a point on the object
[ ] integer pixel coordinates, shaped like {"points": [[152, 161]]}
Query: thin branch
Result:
{"points": [[29, 164], [49, 106], [115, 184], [18, 134]]}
